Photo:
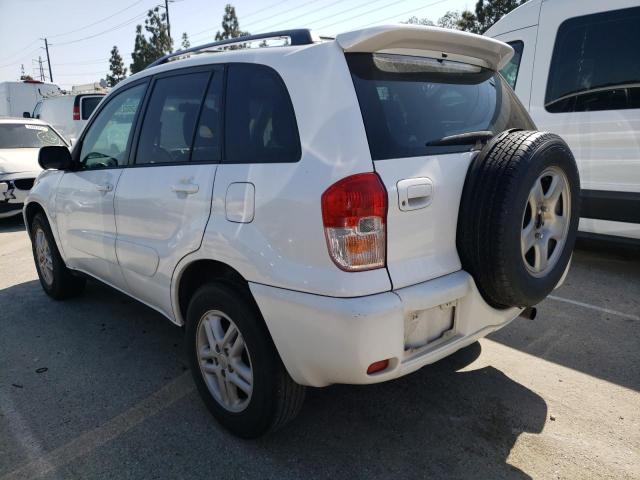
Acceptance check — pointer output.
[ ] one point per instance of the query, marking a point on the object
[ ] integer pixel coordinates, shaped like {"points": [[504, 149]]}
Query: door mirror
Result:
{"points": [[55, 157], [26, 115]]}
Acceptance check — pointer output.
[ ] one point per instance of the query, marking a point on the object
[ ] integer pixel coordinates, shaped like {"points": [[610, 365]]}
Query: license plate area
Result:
{"points": [[425, 327]]}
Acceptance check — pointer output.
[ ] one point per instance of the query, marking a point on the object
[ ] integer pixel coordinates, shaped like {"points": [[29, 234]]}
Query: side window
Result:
{"points": [[88, 105], [260, 125], [105, 144], [510, 70], [596, 64], [207, 145], [170, 118]]}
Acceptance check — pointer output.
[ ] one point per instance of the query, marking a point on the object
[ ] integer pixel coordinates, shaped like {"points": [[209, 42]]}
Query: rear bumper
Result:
{"points": [[325, 340]]}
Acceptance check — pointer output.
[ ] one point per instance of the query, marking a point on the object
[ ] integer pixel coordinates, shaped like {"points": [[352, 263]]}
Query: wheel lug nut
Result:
{"points": [[539, 235]]}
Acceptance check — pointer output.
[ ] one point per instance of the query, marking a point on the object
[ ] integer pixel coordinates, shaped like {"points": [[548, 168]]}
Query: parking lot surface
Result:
{"points": [[97, 387]]}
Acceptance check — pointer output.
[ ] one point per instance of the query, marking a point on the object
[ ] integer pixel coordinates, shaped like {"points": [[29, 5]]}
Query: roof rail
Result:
{"points": [[300, 36]]}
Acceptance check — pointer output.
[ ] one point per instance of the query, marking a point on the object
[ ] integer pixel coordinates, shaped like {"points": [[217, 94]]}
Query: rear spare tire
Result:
{"points": [[518, 217]]}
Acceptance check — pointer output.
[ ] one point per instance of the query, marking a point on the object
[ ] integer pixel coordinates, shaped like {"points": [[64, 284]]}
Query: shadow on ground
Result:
{"points": [[104, 353], [12, 224], [594, 342]]}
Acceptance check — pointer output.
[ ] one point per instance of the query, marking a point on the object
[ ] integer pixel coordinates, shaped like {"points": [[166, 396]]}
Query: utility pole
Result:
{"points": [[166, 7], [46, 46], [40, 68]]}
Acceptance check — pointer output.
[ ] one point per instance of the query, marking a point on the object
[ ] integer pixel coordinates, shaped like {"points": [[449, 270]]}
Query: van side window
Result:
{"points": [[596, 63], [510, 70], [88, 105], [105, 143], [260, 124], [170, 118], [207, 145]]}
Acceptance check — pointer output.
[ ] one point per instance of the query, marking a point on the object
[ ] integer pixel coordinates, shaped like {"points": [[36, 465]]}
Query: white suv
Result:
{"points": [[339, 210]]}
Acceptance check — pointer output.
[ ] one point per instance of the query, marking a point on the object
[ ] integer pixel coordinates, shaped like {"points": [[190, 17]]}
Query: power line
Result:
{"points": [[18, 62], [84, 62], [358, 15], [255, 12], [307, 13], [333, 15], [22, 49], [116, 27], [404, 13], [96, 22], [280, 13]]}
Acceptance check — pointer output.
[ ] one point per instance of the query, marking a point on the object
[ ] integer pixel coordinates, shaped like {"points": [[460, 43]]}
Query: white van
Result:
{"points": [[17, 99], [577, 70], [68, 113]]}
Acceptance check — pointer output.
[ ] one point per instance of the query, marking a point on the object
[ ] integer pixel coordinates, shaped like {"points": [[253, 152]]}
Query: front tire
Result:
{"points": [[56, 279], [235, 365]]}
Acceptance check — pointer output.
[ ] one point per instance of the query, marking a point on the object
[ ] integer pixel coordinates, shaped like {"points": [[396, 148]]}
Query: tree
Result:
{"points": [[117, 70], [420, 21], [449, 20], [157, 45], [487, 12], [185, 41], [230, 25]]}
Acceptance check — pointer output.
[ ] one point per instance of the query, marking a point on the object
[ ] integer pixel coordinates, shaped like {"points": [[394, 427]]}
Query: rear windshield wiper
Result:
{"points": [[461, 139]]}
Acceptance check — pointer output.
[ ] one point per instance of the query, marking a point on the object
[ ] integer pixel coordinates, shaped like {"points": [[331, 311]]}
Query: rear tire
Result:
{"points": [[240, 378], [56, 279]]}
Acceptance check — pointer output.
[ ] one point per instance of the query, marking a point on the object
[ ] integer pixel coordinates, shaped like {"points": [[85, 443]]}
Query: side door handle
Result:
{"points": [[415, 193], [186, 188], [104, 187]]}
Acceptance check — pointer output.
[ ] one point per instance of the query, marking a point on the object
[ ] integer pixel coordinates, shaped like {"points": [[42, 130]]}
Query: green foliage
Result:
{"points": [[230, 25], [147, 50], [185, 41], [449, 19], [117, 70], [420, 21], [487, 12]]}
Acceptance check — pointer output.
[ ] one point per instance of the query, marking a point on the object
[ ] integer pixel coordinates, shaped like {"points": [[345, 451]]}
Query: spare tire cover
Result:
{"points": [[519, 217]]}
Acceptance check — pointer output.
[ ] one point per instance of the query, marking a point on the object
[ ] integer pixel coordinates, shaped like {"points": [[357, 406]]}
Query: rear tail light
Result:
{"points": [[76, 112], [354, 213]]}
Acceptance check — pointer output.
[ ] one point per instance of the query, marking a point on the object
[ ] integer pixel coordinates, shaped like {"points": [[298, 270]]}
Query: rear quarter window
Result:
{"points": [[260, 124]]}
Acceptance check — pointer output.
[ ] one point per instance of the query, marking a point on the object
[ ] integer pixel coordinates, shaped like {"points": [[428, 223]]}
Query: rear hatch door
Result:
{"points": [[426, 116]]}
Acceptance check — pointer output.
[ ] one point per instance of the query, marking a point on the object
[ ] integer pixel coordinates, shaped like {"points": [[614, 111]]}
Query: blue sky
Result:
{"points": [[77, 59]]}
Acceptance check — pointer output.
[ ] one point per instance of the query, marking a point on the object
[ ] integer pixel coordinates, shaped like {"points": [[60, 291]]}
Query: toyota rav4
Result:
{"points": [[341, 210]]}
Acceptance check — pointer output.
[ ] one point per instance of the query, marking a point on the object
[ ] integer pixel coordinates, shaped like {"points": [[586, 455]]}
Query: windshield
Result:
{"points": [[20, 135], [409, 104]]}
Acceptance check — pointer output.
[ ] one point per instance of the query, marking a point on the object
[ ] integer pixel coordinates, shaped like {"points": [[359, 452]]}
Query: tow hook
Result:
{"points": [[529, 313]]}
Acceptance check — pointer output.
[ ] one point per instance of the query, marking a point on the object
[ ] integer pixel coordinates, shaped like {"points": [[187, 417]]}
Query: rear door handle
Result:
{"points": [[415, 193], [104, 187], [186, 188]]}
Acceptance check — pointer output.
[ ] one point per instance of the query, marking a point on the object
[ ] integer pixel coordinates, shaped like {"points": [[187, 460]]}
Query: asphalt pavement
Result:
{"points": [[97, 387]]}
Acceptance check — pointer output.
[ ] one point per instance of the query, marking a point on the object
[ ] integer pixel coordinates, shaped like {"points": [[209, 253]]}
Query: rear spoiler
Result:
{"points": [[432, 42]]}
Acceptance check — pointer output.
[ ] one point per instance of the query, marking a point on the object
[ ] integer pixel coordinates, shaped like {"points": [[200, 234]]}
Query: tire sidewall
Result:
{"points": [[553, 153], [256, 418]]}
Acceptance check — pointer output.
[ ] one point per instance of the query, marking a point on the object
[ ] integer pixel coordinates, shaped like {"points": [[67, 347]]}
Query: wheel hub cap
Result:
{"points": [[44, 257], [545, 223], [224, 361]]}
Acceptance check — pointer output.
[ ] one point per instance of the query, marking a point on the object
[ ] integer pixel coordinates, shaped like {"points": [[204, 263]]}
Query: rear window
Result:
{"points": [[89, 104], [18, 135], [408, 102]]}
